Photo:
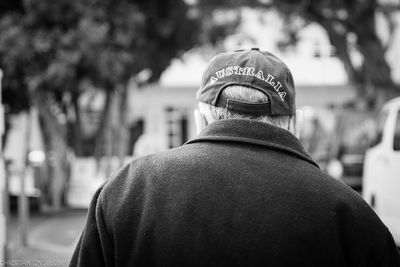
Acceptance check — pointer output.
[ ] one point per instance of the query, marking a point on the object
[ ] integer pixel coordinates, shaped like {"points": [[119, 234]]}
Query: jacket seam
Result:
{"points": [[252, 141]]}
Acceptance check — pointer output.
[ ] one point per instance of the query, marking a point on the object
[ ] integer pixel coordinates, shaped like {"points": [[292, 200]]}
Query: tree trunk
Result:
{"points": [[56, 148], [372, 81], [376, 70], [339, 41], [77, 134], [109, 133], [100, 136], [122, 138]]}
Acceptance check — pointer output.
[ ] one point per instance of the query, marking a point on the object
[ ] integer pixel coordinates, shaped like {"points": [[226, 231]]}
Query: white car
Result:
{"points": [[381, 178]]}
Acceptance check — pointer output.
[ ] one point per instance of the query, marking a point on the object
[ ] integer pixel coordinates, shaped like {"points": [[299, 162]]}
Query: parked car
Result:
{"points": [[353, 139], [337, 140], [381, 179]]}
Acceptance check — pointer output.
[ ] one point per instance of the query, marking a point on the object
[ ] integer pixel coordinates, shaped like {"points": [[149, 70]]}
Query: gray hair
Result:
{"points": [[244, 94]]}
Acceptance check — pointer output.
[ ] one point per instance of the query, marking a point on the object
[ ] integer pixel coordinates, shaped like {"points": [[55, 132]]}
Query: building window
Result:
{"points": [[177, 126], [135, 131]]}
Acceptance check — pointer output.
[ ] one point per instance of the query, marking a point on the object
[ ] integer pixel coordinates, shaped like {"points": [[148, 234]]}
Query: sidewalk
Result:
{"points": [[51, 239]]}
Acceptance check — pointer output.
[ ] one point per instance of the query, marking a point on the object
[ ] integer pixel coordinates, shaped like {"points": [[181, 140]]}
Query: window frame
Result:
{"points": [[396, 133]]}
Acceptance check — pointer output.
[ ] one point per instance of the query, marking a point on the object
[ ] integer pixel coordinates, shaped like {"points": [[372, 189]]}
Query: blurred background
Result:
{"points": [[87, 85]]}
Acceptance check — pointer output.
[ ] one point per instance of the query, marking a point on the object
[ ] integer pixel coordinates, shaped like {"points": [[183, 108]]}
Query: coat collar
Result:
{"points": [[253, 132]]}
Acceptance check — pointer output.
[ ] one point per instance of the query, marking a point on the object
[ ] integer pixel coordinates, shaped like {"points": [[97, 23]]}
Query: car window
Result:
{"points": [[379, 127], [396, 141], [355, 133]]}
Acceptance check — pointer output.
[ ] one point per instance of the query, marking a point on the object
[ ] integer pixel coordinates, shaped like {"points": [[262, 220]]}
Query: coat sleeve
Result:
{"points": [[95, 246], [391, 254]]}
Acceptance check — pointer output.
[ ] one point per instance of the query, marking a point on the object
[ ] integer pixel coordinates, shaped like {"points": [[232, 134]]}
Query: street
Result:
{"points": [[51, 239]]}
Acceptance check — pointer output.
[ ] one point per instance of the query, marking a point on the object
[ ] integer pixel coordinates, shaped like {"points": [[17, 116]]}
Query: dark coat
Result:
{"points": [[243, 193]]}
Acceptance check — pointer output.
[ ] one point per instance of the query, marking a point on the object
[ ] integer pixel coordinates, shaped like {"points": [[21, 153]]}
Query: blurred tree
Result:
{"points": [[52, 51], [351, 27]]}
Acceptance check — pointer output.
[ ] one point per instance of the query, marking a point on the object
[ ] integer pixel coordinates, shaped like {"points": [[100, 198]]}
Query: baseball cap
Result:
{"points": [[251, 68]]}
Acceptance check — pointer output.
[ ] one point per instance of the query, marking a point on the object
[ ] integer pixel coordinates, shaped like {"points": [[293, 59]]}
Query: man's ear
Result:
{"points": [[200, 120], [298, 122]]}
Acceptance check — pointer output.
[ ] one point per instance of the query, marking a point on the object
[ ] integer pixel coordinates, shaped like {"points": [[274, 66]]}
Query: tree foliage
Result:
{"points": [[351, 26], [58, 49], [52, 51], [55, 45]]}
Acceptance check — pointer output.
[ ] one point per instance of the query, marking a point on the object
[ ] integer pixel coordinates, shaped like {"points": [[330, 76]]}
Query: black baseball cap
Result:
{"points": [[252, 68]]}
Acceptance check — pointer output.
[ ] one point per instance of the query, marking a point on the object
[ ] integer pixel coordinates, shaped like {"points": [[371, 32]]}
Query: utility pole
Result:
{"points": [[3, 193], [23, 203]]}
